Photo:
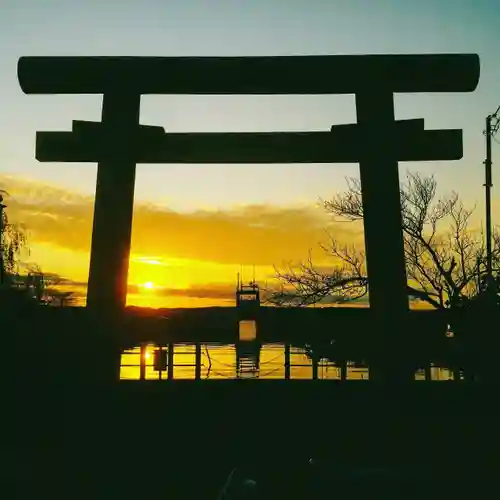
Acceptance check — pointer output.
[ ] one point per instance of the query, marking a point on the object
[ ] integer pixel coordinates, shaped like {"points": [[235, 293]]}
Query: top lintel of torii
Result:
{"points": [[318, 74]]}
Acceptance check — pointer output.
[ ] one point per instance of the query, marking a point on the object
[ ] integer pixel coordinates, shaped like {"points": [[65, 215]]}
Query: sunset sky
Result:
{"points": [[195, 225]]}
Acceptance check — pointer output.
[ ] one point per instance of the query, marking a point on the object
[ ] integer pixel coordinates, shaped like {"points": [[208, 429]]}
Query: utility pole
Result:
{"points": [[2, 267], [492, 124], [487, 186]]}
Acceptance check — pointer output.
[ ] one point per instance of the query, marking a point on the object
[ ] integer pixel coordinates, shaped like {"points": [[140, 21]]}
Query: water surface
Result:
{"points": [[247, 360]]}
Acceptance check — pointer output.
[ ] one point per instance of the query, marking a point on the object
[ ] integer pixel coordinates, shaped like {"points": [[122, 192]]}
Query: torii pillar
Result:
{"points": [[112, 226], [377, 142]]}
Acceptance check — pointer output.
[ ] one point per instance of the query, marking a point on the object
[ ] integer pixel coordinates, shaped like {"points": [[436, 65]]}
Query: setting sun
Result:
{"points": [[149, 285]]}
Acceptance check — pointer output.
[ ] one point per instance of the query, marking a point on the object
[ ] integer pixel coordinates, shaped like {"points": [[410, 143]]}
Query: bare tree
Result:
{"points": [[445, 257], [306, 284]]}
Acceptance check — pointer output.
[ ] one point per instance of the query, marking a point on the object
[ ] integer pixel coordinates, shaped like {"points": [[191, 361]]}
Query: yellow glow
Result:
{"points": [[183, 266], [150, 261], [162, 272]]}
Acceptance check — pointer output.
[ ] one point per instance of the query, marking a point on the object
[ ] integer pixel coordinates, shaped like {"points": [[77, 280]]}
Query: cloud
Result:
{"points": [[204, 291], [216, 291], [258, 234]]}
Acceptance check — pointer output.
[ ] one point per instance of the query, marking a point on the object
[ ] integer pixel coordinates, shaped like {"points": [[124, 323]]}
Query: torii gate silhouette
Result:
{"points": [[377, 141]]}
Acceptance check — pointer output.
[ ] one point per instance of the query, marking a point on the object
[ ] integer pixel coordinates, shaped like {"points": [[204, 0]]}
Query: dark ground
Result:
{"points": [[181, 439], [66, 433]]}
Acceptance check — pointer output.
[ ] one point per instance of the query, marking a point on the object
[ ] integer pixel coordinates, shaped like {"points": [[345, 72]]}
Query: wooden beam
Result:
{"points": [[82, 128], [322, 74], [411, 125], [341, 146]]}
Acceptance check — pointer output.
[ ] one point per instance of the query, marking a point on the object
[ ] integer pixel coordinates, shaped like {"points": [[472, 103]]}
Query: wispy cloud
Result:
{"points": [[216, 291], [259, 234], [190, 257]]}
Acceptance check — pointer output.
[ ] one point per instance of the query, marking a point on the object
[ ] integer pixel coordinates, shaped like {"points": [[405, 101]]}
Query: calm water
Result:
{"points": [[247, 359]]}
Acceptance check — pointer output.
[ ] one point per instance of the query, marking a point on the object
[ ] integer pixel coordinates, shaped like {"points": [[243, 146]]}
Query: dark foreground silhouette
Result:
{"points": [[71, 430], [181, 440]]}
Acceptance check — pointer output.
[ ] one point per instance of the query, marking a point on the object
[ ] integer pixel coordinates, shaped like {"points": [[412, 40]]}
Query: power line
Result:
{"points": [[495, 121]]}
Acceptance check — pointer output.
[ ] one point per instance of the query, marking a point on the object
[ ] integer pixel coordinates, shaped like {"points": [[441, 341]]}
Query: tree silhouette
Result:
{"points": [[445, 257], [13, 241], [23, 279], [55, 295]]}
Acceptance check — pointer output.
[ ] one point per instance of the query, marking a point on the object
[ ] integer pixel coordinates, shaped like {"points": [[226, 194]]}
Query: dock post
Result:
{"points": [[428, 372], [160, 356], [142, 363], [343, 370], [315, 368], [287, 361], [197, 374], [170, 363]]}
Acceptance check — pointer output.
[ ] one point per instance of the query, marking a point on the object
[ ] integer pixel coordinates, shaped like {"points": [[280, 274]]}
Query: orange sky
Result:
{"points": [[187, 259], [191, 258]]}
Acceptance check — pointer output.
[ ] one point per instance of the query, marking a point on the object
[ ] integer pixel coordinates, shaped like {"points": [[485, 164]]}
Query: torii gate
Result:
{"points": [[377, 142]]}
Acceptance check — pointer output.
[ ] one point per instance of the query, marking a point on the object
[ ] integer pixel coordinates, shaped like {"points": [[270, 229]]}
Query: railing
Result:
{"points": [[272, 361]]}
